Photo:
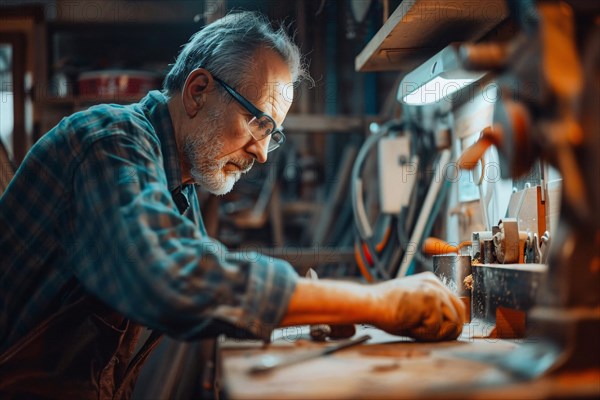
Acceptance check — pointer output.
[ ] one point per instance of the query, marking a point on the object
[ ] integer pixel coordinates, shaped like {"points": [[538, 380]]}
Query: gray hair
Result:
{"points": [[226, 48]]}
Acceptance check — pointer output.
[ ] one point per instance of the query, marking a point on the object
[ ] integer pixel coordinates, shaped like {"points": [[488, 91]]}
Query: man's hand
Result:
{"points": [[419, 306]]}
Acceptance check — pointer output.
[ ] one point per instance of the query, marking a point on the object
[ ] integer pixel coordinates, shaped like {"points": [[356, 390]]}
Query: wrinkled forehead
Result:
{"points": [[258, 91], [268, 84]]}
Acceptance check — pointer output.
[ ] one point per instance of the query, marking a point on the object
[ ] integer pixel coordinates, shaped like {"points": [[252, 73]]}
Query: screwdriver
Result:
{"points": [[268, 363]]}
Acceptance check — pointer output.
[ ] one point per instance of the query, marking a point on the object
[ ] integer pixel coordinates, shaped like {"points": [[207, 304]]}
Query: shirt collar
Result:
{"points": [[157, 111]]}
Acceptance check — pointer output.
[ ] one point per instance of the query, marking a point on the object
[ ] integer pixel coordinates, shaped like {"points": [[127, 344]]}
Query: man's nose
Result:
{"points": [[259, 149]]}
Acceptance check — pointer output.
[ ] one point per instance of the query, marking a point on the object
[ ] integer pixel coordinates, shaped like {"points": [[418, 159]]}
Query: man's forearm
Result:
{"points": [[419, 306], [330, 302]]}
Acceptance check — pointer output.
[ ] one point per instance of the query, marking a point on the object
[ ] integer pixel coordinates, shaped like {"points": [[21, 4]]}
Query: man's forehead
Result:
{"points": [[255, 91], [268, 77]]}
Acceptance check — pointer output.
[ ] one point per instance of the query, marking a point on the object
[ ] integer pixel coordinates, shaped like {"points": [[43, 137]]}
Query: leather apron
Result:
{"points": [[84, 351]]}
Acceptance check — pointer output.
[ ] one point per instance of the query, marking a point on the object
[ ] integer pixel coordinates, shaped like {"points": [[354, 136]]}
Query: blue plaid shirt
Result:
{"points": [[91, 207]]}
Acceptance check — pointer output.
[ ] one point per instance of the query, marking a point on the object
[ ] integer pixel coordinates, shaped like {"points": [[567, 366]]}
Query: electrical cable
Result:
{"points": [[365, 250], [419, 256], [430, 199], [381, 271], [364, 271], [378, 261], [384, 241], [367, 254], [364, 228], [400, 232]]}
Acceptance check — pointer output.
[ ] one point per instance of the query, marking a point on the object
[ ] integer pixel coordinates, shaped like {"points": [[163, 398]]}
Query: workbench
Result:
{"points": [[388, 367]]}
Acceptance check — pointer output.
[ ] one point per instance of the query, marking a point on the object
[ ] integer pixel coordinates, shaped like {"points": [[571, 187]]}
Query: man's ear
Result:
{"points": [[198, 83]]}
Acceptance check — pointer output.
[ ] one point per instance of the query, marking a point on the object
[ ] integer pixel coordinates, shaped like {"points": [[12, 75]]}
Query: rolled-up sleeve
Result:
{"points": [[132, 249]]}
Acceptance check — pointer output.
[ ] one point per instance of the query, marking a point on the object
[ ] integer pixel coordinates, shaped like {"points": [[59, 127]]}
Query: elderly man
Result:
{"points": [[102, 233]]}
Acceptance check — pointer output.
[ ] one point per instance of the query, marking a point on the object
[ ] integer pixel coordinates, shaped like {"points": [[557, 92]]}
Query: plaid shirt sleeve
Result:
{"points": [[138, 254]]}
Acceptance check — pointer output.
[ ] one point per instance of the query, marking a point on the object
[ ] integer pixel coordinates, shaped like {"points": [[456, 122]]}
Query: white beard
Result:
{"points": [[202, 149]]}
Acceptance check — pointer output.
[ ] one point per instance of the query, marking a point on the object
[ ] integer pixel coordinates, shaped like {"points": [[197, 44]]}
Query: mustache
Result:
{"points": [[244, 164]]}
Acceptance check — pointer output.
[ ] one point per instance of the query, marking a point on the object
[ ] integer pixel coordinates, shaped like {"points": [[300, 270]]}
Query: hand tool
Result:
{"points": [[268, 363]]}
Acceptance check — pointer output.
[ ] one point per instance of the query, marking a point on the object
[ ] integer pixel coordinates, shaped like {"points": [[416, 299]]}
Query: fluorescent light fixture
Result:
{"points": [[437, 79]]}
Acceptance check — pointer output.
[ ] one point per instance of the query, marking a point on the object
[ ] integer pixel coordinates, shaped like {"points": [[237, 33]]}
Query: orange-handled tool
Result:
{"points": [[434, 246], [473, 153]]}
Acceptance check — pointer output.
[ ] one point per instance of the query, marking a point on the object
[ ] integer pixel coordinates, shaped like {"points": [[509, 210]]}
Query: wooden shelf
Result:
{"points": [[418, 29], [327, 123], [73, 101], [127, 12]]}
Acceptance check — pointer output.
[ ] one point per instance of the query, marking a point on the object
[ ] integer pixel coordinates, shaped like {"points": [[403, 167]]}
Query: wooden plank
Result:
{"points": [[92, 11], [303, 258], [385, 367], [330, 212], [275, 214], [418, 29], [327, 123], [390, 367]]}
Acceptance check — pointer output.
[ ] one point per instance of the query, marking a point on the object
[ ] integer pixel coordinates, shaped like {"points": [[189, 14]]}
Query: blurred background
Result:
{"points": [[61, 50], [459, 137]]}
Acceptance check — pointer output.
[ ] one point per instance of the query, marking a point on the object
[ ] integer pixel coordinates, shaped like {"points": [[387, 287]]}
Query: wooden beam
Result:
{"points": [[327, 123], [303, 258]]}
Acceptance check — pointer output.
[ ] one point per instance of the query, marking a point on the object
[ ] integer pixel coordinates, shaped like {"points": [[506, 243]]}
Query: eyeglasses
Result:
{"points": [[262, 125]]}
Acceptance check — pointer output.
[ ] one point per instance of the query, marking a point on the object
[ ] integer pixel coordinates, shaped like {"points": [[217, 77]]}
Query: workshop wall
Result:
{"points": [[68, 44]]}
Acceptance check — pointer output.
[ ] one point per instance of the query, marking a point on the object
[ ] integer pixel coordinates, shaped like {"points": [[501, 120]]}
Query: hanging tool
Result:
{"points": [[474, 155]]}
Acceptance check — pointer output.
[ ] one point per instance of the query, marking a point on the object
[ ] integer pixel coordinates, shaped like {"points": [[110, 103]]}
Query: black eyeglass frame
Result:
{"points": [[256, 113]]}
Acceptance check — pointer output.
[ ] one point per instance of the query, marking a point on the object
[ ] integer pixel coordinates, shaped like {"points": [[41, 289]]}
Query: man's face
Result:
{"points": [[220, 148]]}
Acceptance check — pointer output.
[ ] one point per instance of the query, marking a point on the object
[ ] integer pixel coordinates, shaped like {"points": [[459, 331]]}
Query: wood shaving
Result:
{"points": [[468, 282]]}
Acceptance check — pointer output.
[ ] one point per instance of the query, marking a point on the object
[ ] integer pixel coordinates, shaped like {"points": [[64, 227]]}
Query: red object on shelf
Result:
{"points": [[114, 83]]}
